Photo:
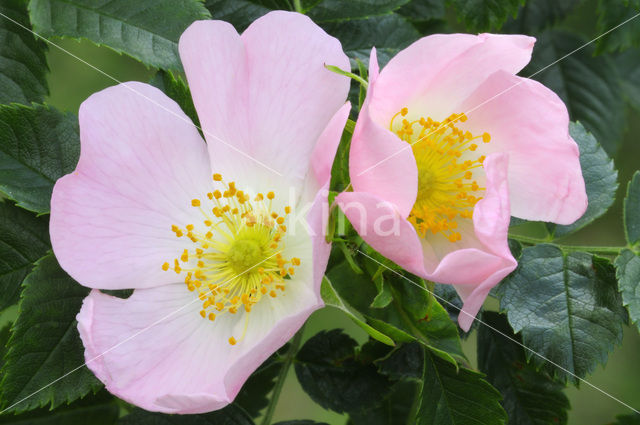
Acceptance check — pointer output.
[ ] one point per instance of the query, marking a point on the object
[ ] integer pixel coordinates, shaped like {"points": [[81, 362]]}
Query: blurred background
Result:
{"points": [[71, 81]]}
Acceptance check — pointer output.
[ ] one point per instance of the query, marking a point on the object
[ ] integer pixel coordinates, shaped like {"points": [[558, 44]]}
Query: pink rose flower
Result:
{"points": [[212, 236], [449, 144]]}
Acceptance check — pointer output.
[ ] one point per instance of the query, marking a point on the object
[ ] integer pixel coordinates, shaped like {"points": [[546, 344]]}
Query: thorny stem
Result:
{"points": [[286, 364]]}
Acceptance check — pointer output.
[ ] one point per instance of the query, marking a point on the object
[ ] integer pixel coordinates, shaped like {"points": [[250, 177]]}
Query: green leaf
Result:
{"points": [[253, 395], [336, 10], [394, 409], [333, 375], [612, 13], [38, 145], [99, 409], [300, 422], [567, 307], [331, 298], [628, 420], [23, 64], [230, 415], [539, 14], [413, 316], [240, 13], [600, 178], [530, 397], [629, 72], [588, 85], [404, 362], [24, 238], [423, 10], [484, 15], [632, 210], [388, 33], [45, 344], [451, 397], [340, 169], [628, 274], [146, 30], [176, 88]]}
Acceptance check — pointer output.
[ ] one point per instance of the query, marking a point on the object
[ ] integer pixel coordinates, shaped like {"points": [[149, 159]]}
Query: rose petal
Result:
{"points": [[141, 163], [261, 91], [531, 123]]}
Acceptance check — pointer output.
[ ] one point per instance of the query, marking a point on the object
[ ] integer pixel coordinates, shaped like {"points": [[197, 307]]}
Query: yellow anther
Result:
{"points": [[212, 317], [273, 293], [195, 202], [295, 261], [232, 341], [217, 177], [287, 210], [486, 137], [404, 111], [165, 266], [203, 313], [217, 194], [189, 227], [185, 256], [271, 195]]}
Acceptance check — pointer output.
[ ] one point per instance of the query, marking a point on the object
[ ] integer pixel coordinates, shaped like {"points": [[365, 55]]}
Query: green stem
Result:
{"points": [[286, 364], [297, 6], [570, 248]]}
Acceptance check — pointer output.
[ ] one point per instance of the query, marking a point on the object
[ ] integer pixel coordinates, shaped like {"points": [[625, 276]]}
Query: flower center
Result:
{"points": [[233, 256], [446, 160]]}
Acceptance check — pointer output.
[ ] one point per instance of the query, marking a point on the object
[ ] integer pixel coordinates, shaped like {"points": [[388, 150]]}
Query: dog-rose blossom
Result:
{"points": [[449, 144], [222, 241]]}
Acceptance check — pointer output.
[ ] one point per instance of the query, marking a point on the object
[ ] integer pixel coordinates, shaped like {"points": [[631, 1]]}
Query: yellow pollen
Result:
{"points": [[232, 255], [448, 172]]}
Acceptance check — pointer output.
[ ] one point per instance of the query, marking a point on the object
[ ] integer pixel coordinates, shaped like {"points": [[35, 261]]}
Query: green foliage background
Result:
{"points": [[70, 82]]}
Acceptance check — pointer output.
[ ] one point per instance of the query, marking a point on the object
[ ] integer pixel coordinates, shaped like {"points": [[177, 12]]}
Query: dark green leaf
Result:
{"points": [[530, 397], [393, 410], [484, 15], [600, 178], [301, 422], [24, 238], [567, 307], [629, 73], [253, 395], [240, 13], [405, 362], [337, 10], [414, 315], [332, 298], [632, 210], [539, 14], [38, 145], [385, 296], [628, 274], [612, 13], [45, 344], [99, 409], [628, 420], [146, 30], [451, 397], [423, 10], [388, 33], [588, 85], [176, 88], [23, 65], [230, 415], [334, 377]]}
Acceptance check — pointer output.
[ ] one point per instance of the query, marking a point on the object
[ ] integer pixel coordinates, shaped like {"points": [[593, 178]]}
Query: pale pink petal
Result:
{"points": [[486, 259], [379, 162], [141, 163], [325, 149], [530, 123], [155, 351], [380, 225], [263, 91], [432, 74]]}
